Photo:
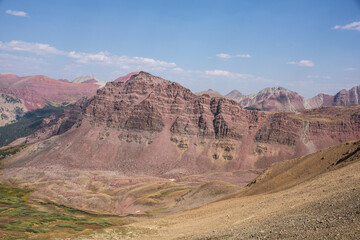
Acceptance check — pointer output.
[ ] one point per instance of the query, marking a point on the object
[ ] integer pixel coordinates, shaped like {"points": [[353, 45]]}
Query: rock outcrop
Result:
{"points": [[11, 108]]}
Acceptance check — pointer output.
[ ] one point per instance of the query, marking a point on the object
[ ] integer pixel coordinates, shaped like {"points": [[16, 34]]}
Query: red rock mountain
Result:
{"points": [[38, 91], [282, 100], [151, 126]]}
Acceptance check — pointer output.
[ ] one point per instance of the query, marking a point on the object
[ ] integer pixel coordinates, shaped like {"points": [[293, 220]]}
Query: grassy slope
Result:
{"points": [[23, 218]]}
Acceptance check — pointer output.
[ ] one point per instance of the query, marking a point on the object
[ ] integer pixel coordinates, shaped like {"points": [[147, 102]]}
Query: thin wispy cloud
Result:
{"points": [[27, 65], [124, 62], [228, 56], [217, 73], [303, 63], [349, 69], [16, 13], [237, 76], [37, 48], [351, 26], [102, 58], [319, 77]]}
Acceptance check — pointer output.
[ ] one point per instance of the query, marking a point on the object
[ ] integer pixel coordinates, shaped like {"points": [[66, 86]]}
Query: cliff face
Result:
{"points": [[152, 126]]}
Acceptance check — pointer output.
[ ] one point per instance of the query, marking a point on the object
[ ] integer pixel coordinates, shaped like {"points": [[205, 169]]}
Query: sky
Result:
{"points": [[306, 46]]}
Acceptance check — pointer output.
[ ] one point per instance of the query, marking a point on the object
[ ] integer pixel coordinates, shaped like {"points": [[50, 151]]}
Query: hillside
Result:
{"points": [[27, 124], [311, 197]]}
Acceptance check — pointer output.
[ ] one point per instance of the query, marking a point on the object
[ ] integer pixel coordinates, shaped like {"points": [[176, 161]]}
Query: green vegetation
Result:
{"points": [[27, 124], [20, 216], [253, 108], [7, 151]]}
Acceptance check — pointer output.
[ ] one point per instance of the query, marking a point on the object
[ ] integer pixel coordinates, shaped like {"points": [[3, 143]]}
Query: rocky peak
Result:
{"points": [[234, 94], [88, 79], [82, 79], [211, 93], [347, 98], [143, 102], [275, 90]]}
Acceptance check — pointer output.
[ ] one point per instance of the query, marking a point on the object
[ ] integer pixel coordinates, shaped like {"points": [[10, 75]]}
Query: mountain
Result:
{"points": [[126, 77], [89, 79], [211, 93], [347, 97], [38, 91], [156, 127], [278, 99], [274, 99], [234, 94]]}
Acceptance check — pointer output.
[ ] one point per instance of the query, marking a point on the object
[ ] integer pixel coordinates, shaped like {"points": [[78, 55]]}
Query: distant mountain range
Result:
{"points": [[278, 99], [22, 94]]}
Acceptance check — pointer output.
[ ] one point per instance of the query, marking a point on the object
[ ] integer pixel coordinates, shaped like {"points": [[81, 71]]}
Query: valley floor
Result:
{"points": [[325, 207], [312, 197]]}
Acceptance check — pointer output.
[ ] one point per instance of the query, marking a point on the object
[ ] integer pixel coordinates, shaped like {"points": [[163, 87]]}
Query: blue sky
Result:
{"points": [[303, 45]]}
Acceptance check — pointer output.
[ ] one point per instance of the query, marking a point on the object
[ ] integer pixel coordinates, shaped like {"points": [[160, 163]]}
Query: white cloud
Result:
{"points": [[303, 63], [227, 56], [237, 76], [102, 58], [350, 26], [16, 13], [217, 73], [350, 69], [37, 48], [178, 69], [123, 62], [80, 57]]}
